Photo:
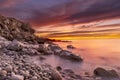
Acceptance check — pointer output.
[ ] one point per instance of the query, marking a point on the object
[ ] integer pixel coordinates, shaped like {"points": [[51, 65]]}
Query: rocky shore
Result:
{"points": [[18, 44]]}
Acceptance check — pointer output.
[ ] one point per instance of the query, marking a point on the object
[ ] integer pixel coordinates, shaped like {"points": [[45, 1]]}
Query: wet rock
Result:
{"points": [[59, 68], [43, 48], [105, 73], [69, 55], [29, 51], [42, 58], [55, 75], [70, 47], [55, 48], [68, 74]]}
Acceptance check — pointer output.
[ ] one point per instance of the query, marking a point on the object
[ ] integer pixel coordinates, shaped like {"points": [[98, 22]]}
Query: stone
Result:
{"points": [[3, 73], [69, 55], [58, 68], [105, 73], [17, 77], [8, 68], [70, 47], [15, 46], [55, 75], [55, 48], [29, 51]]}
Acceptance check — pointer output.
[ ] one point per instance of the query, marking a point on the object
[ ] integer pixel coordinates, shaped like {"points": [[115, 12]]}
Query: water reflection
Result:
{"points": [[96, 53]]}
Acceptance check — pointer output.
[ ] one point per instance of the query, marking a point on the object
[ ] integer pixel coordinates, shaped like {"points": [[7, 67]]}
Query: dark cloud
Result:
{"points": [[53, 12], [103, 9]]}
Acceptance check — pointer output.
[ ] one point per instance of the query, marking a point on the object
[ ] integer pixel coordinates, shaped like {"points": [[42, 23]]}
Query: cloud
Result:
{"points": [[62, 13], [85, 33], [103, 9], [51, 12]]}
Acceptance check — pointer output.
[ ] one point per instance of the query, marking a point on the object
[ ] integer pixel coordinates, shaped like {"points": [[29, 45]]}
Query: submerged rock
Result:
{"points": [[70, 47], [59, 68], [69, 55], [105, 73]]}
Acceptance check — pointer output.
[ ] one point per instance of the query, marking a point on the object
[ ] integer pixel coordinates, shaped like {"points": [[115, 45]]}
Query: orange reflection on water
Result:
{"points": [[97, 53]]}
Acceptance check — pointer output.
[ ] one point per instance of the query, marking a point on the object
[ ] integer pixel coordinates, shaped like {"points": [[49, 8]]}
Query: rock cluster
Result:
{"points": [[15, 65], [11, 29], [64, 53], [70, 47], [105, 73]]}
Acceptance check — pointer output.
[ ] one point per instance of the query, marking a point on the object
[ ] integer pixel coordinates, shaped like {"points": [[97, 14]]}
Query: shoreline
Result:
{"points": [[18, 45]]}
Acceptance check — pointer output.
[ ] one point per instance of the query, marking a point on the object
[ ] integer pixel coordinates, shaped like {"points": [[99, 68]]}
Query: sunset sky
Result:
{"points": [[67, 19]]}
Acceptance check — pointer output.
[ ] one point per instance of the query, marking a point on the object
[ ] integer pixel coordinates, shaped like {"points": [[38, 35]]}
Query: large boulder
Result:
{"points": [[43, 48], [69, 55], [55, 48], [105, 73]]}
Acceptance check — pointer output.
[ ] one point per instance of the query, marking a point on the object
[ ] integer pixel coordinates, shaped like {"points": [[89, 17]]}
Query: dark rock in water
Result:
{"points": [[55, 75], [69, 55], [43, 48], [68, 74], [64, 53], [55, 48], [42, 58], [105, 73], [59, 68], [70, 47]]}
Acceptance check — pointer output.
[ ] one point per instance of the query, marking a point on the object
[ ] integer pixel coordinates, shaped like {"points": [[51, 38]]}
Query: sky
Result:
{"points": [[67, 19]]}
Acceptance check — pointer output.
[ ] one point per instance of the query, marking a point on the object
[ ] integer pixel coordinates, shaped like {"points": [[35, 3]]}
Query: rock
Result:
{"points": [[3, 73], [24, 73], [70, 47], [8, 68], [16, 77], [15, 46], [68, 71], [105, 73], [34, 78], [58, 68], [55, 75], [68, 74], [10, 53], [45, 49], [55, 48], [69, 55], [42, 58], [29, 51]]}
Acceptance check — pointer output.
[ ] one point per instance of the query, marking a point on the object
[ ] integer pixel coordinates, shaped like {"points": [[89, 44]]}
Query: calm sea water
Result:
{"points": [[95, 53]]}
